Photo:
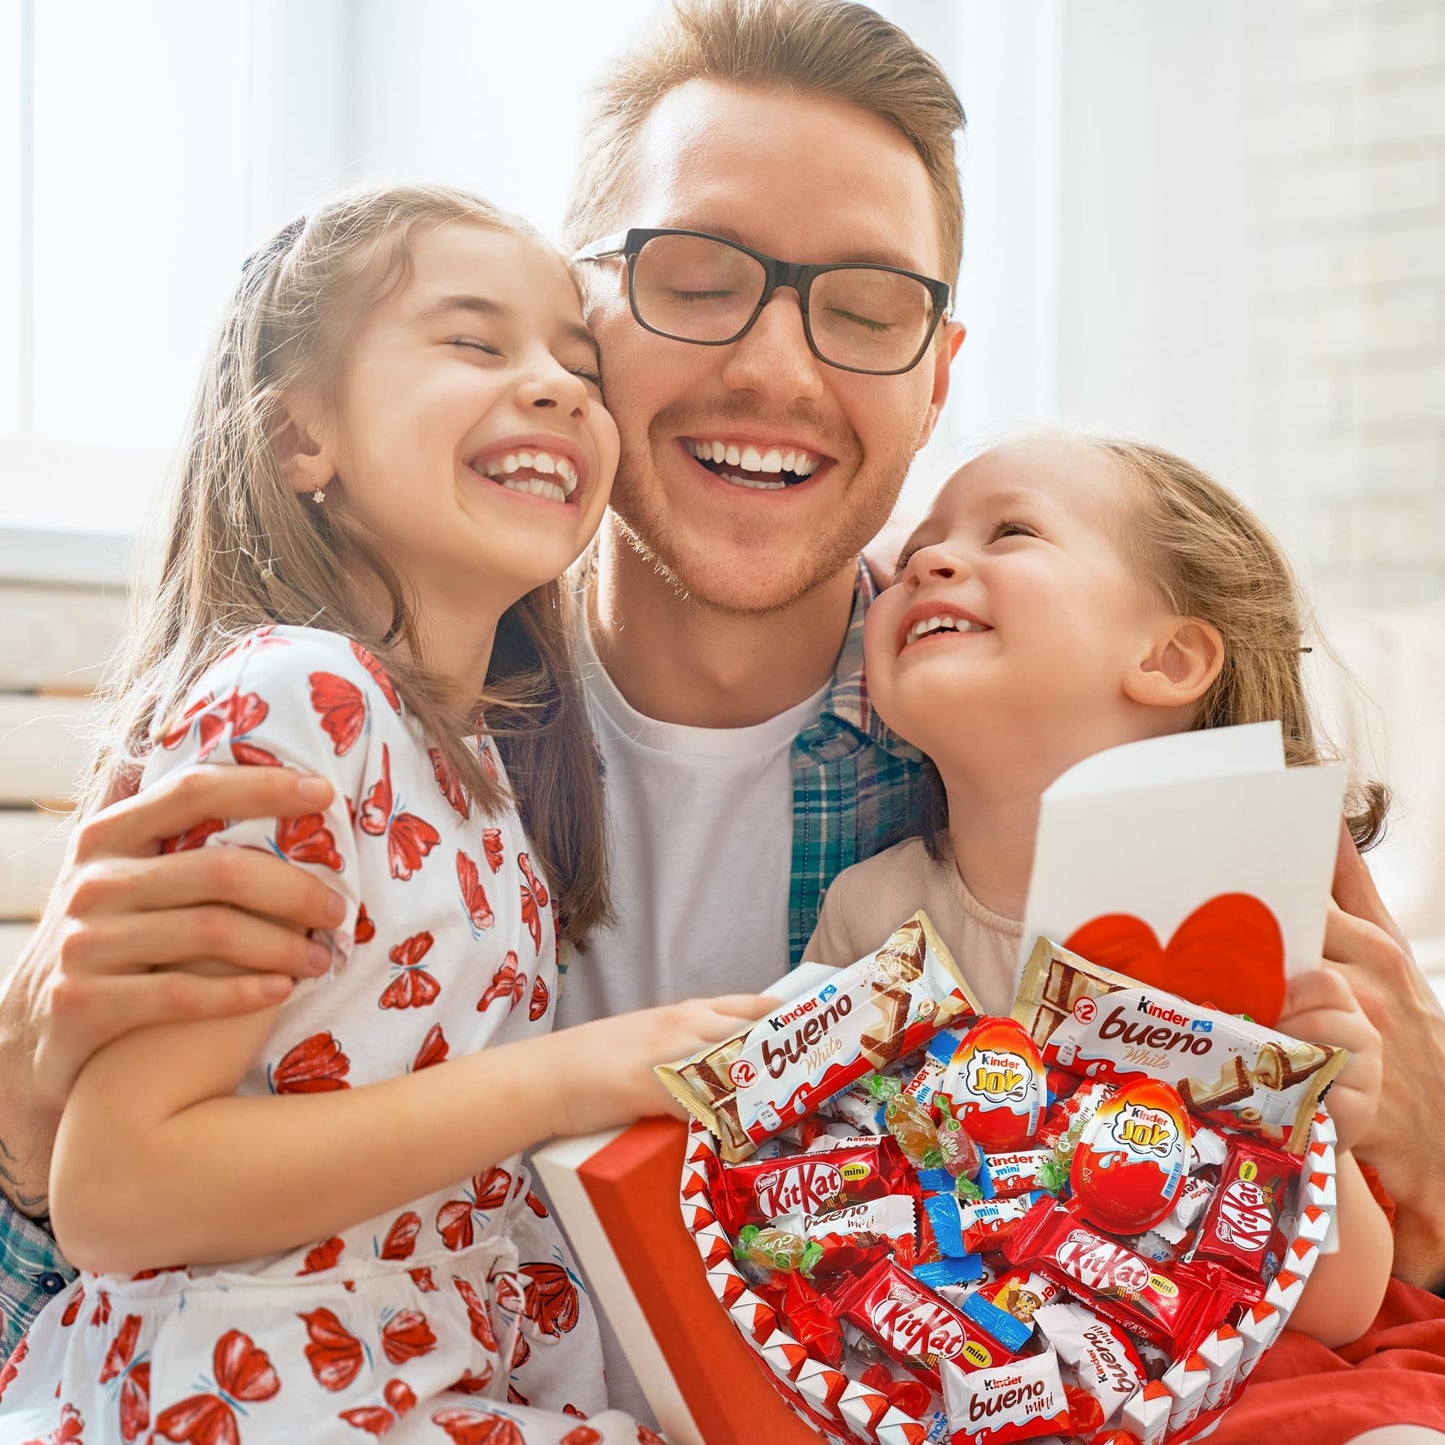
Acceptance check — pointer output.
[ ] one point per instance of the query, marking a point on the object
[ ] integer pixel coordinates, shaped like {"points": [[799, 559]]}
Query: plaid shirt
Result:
{"points": [[31, 1270], [857, 788]]}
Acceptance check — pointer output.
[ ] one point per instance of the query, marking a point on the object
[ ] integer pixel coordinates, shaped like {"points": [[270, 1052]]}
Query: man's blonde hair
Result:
{"points": [[831, 48]]}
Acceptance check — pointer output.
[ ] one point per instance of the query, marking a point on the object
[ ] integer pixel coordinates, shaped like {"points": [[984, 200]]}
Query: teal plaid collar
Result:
{"points": [[847, 699]]}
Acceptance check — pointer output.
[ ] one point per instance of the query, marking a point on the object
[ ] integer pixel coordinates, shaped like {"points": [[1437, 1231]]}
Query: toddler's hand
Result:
{"points": [[1319, 1006], [606, 1077]]}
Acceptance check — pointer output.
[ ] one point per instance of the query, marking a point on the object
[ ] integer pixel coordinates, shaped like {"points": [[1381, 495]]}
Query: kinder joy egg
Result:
{"points": [[1132, 1158], [994, 1084]]}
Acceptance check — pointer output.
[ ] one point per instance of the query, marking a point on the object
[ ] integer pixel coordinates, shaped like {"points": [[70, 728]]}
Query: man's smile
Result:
{"points": [[759, 464]]}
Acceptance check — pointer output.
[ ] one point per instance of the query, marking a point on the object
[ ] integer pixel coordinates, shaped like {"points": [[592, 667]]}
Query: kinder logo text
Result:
{"points": [[807, 1030]]}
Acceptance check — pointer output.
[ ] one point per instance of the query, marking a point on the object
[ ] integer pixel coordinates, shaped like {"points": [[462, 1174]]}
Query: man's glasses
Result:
{"points": [[690, 286]]}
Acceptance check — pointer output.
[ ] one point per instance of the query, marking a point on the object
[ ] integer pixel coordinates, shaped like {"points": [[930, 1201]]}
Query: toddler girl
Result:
{"points": [[314, 1223], [1065, 595]]}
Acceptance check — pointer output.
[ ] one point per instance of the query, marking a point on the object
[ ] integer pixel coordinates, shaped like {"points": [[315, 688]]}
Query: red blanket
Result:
{"points": [[1304, 1394]]}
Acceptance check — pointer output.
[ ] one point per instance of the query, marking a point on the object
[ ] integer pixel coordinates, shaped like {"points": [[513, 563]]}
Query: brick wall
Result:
{"points": [[1345, 122]]}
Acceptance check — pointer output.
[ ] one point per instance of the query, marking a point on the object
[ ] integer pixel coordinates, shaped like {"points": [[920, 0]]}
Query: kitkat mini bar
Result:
{"points": [[860, 1020]]}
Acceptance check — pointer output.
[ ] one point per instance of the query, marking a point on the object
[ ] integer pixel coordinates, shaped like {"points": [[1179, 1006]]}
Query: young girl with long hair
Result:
{"points": [[1067, 594], [314, 1223]]}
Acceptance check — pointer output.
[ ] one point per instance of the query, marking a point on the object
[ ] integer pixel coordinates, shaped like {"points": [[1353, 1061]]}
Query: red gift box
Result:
{"points": [[616, 1196]]}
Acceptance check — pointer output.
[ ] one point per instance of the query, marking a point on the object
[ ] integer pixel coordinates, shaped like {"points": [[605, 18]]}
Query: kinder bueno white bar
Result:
{"points": [[861, 1019], [1097, 1022]]}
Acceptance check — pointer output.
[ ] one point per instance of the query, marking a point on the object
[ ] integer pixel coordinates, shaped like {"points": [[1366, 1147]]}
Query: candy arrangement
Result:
{"points": [[1085, 1222]]}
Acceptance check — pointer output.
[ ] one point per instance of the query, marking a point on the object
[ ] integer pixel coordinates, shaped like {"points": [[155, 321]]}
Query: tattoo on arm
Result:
{"points": [[18, 1189]]}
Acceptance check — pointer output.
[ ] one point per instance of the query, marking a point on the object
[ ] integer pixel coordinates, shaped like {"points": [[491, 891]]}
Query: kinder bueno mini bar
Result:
{"points": [[1098, 1023], [860, 1020]]}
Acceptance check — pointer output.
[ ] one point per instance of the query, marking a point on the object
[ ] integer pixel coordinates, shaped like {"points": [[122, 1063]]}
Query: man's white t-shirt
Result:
{"points": [[700, 827]]}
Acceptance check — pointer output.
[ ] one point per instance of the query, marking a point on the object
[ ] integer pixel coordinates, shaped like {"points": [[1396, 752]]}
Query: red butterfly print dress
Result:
{"points": [[458, 1316]]}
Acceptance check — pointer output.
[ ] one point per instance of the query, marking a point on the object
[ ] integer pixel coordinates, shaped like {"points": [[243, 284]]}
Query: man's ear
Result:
{"points": [[944, 349], [1184, 657], [299, 442]]}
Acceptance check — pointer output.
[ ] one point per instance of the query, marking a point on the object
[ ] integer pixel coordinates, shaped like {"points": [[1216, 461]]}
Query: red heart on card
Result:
{"points": [[1229, 953]]}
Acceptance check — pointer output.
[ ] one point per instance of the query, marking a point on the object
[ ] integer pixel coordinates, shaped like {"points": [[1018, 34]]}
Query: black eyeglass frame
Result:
{"points": [[797, 275]]}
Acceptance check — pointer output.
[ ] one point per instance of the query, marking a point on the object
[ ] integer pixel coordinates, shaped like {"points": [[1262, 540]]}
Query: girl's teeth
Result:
{"points": [[535, 487], [542, 465]]}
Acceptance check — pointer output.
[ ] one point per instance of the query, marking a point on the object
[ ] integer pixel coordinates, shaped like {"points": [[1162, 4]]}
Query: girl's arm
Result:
{"points": [[1345, 1288], [158, 1163]]}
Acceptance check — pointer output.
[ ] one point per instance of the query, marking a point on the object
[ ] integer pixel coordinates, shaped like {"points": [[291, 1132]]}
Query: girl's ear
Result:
{"points": [[1184, 658], [299, 442]]}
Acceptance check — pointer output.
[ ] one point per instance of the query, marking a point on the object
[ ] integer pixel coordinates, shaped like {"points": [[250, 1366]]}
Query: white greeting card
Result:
{"points": [[1196, 861]]}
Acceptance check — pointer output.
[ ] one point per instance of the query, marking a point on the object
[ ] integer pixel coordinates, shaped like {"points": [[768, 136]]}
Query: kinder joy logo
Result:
{"points": [[999, 1076], [1143, 1131]]}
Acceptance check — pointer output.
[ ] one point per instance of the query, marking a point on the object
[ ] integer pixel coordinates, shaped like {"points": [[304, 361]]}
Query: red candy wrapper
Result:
{"points": [[807, 1318], [994, 1085], [1241, 1219], [1175, 1310], [1021, 1292], [815, 1183], [1023, 1171], [1131, 1158], [913, 1325]]}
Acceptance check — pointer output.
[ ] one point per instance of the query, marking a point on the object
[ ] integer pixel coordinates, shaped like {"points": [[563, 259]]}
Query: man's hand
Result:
{"points": [[125, 928], [1364, 943]]}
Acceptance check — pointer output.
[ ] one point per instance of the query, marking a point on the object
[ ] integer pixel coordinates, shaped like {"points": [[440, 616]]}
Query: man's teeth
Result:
{"points": [[942, 623], [527, 471], [775, 460]]}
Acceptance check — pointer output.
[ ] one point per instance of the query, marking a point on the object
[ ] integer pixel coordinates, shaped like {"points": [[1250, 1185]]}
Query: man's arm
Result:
{"points": [[1366, 945], [123, 925]]}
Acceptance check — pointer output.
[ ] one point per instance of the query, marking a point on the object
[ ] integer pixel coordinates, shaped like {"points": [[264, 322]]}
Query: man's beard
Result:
{"points": [[640, 518]]}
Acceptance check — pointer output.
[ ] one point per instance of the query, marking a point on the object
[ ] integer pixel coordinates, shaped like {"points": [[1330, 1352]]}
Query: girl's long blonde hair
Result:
{"points": [[242, 550], [1210, 557]]}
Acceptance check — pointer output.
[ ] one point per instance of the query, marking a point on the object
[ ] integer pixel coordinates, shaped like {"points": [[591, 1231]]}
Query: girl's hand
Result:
{"points": [[1319, 1006], [604, 1075]]}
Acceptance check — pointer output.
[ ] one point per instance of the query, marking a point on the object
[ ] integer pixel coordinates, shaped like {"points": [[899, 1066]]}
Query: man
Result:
{"points": [[745, 767]]}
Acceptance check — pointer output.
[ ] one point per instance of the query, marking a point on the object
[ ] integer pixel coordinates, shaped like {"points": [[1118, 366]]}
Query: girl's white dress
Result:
{"points": [[456, 1316]]}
